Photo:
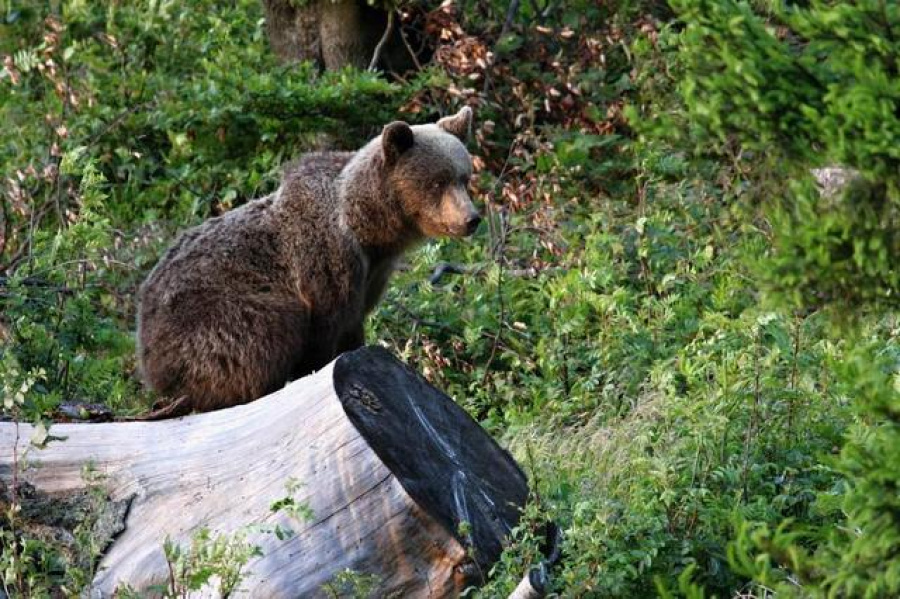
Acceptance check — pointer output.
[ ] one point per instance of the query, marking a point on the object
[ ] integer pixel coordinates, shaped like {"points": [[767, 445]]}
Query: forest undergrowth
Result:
{"points": [[690, 349]]}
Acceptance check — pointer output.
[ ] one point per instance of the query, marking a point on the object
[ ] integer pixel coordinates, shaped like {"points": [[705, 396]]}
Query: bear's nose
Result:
{"points": [[472, 223]]}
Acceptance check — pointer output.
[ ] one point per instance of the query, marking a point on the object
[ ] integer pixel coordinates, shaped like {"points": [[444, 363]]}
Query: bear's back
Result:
{"points": [[238, 249], [324, 166], [244, 249]]}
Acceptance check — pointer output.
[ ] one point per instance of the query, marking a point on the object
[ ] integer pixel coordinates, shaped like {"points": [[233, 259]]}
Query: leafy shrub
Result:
{"points": [[640, 321], [816, 93], [810, 85]]}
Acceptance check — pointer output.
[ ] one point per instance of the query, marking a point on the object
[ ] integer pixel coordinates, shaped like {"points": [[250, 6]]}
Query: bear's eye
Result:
{"points": [[437, 185]]}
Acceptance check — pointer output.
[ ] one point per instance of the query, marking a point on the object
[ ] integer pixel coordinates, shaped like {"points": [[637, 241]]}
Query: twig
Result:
{"points": [[117, 121], [14, 489], [446, 268], [511, 11], [419, 321], [409, 49], [20, 252], [510, 15], [38, 282], [197, 194], [502, 315], [162, 410], [530, 272], [14, 502], [33, 223], [536, 483], [172, 586], [57, 202], [58, 179], [496, 250], [4, 213], [889, 31], [542, 14], [35, 274], [376, 56], [793, 381], [754, 416]]}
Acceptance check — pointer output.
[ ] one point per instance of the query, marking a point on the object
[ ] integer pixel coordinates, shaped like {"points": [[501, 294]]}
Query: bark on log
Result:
{"points": [[389, 465]]}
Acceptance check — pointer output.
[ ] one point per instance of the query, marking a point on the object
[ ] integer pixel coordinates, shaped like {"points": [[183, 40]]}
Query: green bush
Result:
{"points": [[811, 86], [688, 345]]}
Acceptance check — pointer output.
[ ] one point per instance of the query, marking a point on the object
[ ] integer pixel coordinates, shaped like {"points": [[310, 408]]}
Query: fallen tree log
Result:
{"points": [[401, 484]]}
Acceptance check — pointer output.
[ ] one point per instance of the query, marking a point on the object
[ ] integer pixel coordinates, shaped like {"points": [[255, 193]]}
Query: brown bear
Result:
{"points": [[277, 288]]}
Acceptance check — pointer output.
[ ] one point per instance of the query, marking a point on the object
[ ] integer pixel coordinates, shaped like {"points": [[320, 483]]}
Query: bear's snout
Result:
{"points": [[457, 216]]}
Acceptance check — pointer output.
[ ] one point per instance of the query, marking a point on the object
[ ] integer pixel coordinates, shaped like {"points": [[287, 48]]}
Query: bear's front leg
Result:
{"points": [[352, 339]]}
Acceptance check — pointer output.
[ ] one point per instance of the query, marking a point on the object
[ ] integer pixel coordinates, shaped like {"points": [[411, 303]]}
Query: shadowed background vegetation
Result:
{"points": [[689, 345]]}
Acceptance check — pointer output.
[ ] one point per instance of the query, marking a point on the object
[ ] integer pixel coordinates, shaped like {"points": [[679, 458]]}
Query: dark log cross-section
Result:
{"points": [[403, 485]]}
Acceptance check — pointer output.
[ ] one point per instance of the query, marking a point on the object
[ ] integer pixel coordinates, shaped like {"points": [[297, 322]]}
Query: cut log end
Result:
{"points": [[454, 471]]}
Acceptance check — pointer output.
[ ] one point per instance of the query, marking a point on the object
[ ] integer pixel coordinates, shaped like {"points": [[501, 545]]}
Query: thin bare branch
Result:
{"points": [[24, 249], [412, 53], [376, 56], [511, 11], [4, 214]]}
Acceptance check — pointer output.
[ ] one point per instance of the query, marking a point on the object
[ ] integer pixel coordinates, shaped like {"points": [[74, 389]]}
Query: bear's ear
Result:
{"points": [[459, 124], [396, 138]]}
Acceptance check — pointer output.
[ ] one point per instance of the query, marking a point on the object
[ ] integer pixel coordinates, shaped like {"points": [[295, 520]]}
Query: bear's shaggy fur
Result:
{"points": [[280, 286]]}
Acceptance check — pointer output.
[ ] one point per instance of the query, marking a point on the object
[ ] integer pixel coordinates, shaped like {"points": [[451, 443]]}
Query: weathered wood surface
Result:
{"points": [[389, 466]]}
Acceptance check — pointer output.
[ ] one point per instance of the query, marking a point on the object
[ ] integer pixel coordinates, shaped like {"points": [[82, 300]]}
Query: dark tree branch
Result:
{"points": [[4, 214], [510, 15], [511, 11], [501, 318], [412, 53], [376, 56], [445, 268]]}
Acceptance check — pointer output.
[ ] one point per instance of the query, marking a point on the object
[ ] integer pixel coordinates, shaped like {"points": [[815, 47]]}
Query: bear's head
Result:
{"points": [[429, 168]]}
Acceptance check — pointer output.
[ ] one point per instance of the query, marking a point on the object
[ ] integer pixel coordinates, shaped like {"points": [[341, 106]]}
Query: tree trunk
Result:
{"points": [[390, 467], [331, 33]]}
